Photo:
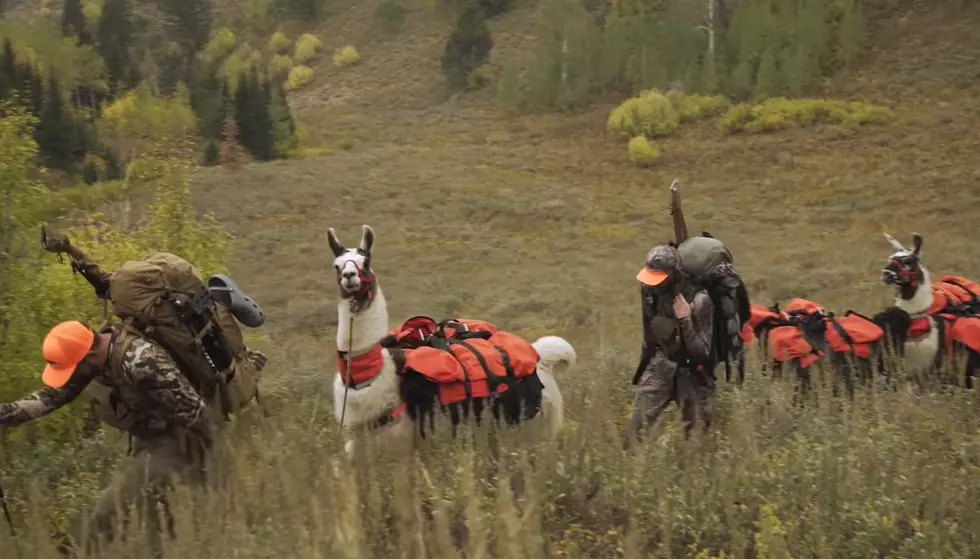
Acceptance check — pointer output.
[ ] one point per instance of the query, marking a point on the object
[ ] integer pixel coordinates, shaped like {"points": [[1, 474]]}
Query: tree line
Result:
{"points": [[158, 43], [743, 49]]}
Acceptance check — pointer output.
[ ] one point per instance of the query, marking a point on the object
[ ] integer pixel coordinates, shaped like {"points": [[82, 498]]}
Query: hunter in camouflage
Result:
{"points": [[676, 363], [135, 386], [171, 432]]}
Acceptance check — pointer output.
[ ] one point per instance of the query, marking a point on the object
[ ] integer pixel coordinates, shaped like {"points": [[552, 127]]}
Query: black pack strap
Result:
{"points": [[973, 295], [492, 380], [438, 342], [841, 331]]}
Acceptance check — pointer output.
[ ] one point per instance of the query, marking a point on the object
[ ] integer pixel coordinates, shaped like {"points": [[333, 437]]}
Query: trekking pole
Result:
{"points": [[6, 512], [350, 348]]}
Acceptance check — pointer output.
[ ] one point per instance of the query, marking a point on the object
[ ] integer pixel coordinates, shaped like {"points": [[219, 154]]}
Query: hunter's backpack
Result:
{"points": [[161, 298], [709, 263]]}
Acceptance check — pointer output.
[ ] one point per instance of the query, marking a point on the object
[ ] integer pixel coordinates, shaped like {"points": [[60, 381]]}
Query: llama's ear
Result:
{"points": [[895, 244], [367, 239], [916, 243], [335, 245]]}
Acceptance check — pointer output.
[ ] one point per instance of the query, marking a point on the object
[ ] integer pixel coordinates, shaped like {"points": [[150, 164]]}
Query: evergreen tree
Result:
{"points": [[254, 123], [115, 39], [189, 22], [56, 133], [468, 46], [284, 128], [72, 18]]}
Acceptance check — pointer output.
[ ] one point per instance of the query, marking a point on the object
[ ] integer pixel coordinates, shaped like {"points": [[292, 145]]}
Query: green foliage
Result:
{"points": [[219, 47], [566, 65], [141, 115], [762, 48], [346, 56], [780, 113], [307, 47], [278, 43], [42, 45], [649, 114], [255, 124], [279, 66], [390, 14], [212, 154], [698, 107], [115, 38], [467, 47], [641, 153], [298, 77], [480, 77]]}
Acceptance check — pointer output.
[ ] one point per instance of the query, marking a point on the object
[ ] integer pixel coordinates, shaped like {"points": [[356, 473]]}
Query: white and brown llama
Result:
{"points": [[373, 400], [937, 321]]}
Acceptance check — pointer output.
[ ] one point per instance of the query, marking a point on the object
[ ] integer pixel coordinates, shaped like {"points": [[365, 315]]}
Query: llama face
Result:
{"points": [[904, 269], [353, 265]]}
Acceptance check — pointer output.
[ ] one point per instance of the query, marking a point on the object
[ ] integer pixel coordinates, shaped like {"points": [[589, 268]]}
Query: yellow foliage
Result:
{"points": [[649, 114], [278, 43], [298, 77], [778, 113], [279, 65], [306, 48], [92, 9], [222, 43], [140, 114], [697, 107], [346, 56], [642, 154]]}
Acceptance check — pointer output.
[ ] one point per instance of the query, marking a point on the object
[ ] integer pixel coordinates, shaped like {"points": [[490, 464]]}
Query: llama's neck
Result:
{"points": [[921, 300], [370, 325]]}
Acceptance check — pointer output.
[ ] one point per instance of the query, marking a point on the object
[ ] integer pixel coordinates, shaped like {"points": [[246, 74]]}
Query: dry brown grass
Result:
{"points": [[539, 224]]}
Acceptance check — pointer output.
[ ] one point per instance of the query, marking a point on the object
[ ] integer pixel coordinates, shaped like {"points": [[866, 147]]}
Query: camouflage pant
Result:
{"points": [[142, 482], [662, 383]]}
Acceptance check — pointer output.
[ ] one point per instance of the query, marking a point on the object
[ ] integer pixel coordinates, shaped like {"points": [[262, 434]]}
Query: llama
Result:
{"points": [[374, 399], [941, 319], [924, 335]]}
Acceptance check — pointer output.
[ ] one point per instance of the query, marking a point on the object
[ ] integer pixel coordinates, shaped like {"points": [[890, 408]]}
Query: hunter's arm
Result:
{"points": [[40, 403], [697, 328], [92, 272], [157, 377]]}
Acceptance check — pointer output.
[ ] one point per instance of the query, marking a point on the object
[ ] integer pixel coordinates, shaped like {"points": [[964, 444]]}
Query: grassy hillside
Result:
{"points": [[539, 223]]}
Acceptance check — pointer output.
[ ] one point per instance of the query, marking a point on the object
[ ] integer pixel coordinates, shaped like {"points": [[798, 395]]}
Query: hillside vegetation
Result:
{"points": [[514, 163]]}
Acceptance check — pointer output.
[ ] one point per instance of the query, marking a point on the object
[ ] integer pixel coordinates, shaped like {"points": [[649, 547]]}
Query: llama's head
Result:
{"points": [[355, 277], [904, 269]]}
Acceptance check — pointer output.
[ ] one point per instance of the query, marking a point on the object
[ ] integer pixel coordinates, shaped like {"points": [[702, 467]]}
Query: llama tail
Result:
{"points": [[555, 352]]}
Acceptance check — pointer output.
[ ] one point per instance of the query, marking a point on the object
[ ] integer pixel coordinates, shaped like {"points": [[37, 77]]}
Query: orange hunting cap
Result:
{"points": [[64, 348], [661, 260]]}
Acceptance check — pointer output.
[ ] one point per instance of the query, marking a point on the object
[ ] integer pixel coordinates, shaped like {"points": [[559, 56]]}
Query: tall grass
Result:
{"points": [[893, 473]]}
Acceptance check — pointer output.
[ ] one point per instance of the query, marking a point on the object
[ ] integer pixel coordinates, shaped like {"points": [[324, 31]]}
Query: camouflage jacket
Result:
{"points": [[147, 384], [696, 332]]}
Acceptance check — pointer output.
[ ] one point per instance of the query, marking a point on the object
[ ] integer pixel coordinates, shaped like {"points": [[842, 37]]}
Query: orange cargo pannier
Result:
{"points": [[468, 358], [958, 290]]}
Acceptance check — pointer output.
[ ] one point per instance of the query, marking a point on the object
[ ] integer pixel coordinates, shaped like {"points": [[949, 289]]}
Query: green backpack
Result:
{"points": [[162, 298], [711, 265]]}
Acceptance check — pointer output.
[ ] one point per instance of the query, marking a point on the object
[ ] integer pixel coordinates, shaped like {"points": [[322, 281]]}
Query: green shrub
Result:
{"points": [[480, 77], [391, 15], [697, 107], [222, 43], [642, 154], [779, 113], [279, 43], [280, 65], [306, 48], [298, 77], [346, 56], [649, 114]]}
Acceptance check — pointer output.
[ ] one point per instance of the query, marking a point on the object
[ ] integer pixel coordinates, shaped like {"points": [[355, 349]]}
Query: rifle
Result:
{"points": [[680, 224]]}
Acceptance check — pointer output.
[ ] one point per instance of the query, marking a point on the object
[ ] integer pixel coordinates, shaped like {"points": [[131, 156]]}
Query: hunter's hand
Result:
{"points": [[258, 359], [53, 243], [682, 309]]}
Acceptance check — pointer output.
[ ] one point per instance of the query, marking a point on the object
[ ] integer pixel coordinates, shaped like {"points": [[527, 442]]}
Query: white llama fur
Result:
{"points": [[920, 353], [369, 401]]}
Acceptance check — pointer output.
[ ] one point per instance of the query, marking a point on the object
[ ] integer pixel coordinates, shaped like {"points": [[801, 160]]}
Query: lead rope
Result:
{"points": [[350, 348]]}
